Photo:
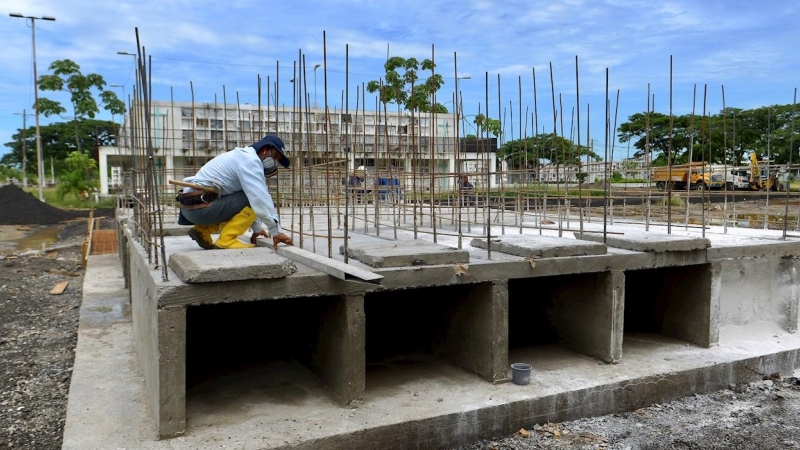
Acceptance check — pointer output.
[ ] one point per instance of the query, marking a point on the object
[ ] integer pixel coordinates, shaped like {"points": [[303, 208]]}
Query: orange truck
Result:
{"points": [[696, 174]]}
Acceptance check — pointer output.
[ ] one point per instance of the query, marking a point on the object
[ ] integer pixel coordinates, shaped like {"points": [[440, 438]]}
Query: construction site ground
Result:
{"points": [[38, 335]]}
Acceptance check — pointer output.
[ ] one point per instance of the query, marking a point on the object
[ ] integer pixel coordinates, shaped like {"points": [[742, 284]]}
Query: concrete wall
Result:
{"points": [[581, 312], [476, 330], [338, 356], [159, 337], [759, 289]]}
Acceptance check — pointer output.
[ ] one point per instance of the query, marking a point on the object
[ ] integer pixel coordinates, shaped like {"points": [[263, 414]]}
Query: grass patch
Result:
{"points": [[69, 201]]}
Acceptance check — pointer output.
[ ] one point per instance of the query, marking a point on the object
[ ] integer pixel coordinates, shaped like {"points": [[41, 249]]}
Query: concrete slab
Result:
{"points": [[405, 253], [411, 402], [651, 242], [208, 266], [429, 400], [532, 246]]}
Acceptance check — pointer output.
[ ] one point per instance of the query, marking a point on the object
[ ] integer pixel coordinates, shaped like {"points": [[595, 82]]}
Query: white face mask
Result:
{"points": [[269, 166]]}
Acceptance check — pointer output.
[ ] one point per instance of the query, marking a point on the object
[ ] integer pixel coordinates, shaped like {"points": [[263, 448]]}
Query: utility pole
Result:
{"points": [[39, 157], [24, 148]]}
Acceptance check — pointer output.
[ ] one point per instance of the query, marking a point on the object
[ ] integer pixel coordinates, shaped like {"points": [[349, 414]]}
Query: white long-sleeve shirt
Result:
{"points": [[237, 170]]}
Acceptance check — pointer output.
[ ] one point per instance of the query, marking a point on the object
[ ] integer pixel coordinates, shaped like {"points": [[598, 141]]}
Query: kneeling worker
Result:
{"points": [[241, 199]]}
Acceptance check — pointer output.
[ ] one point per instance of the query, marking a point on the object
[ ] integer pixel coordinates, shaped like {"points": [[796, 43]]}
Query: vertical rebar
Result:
{"points": [[691, 148], [580, 183], [789, 168]]}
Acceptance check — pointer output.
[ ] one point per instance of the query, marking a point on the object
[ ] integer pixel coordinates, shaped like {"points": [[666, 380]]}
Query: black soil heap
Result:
{"points": [[18, 207]]}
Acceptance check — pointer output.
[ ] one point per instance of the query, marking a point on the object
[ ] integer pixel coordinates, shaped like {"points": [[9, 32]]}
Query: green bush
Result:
{"points": [[675, 201]]}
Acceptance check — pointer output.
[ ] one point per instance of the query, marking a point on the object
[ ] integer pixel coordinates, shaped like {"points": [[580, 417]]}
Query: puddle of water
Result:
{"points": [[39, 239]]}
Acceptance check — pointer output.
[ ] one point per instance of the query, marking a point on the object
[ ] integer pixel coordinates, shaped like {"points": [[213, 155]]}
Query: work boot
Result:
{"points": [[202, 235], [235, 227]]}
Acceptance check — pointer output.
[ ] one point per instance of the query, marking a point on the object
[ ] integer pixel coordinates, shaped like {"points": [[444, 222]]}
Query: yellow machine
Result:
{"points": [[762, 179], [697, 174]]}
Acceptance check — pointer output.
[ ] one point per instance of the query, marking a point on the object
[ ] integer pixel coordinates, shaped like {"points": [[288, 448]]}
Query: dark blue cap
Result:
{"points": [[276, 143]]}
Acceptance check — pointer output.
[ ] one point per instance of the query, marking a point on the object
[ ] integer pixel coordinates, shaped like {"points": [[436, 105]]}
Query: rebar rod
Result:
{"points": [[789, 168]]}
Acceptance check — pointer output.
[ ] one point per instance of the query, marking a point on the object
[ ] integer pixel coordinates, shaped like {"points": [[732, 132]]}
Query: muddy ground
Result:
{"points": [[38, 336]]}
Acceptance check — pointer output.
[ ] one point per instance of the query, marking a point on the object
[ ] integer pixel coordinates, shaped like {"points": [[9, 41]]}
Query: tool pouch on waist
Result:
{"points": [[195, 199]]}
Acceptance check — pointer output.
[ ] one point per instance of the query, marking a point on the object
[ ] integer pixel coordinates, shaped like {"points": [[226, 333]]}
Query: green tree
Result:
{"points": [[67, 76], [404, 89], [58, 141], [7, 172], [659, 135], [527, 153], [487, 124], [80, 178], [727, 137]]}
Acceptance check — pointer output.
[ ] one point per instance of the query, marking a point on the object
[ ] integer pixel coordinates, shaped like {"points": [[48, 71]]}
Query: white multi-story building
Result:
{"points": [[186, 135]]}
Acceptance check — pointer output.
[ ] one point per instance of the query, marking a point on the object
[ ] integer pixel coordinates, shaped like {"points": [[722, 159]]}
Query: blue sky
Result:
{"points": [[747, 46]]}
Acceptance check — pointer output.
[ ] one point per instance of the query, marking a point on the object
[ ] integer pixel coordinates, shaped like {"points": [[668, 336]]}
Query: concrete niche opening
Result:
{"points": [[673, 302], [262, 352], [552, 317], [429, 334]]}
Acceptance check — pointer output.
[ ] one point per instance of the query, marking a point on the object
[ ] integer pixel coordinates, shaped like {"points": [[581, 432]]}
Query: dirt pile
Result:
{"points": [[18, 207]]}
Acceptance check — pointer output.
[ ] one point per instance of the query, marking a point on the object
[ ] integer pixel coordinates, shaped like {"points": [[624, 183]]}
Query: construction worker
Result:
{"points": [[239, 199]]}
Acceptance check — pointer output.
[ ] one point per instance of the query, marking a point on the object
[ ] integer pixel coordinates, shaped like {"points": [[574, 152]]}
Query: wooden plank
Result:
{"points": [[191, 185], [332, 267], [59, 288]]}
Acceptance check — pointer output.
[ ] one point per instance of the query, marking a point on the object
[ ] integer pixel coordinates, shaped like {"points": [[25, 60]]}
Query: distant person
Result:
{"points": [[354, 182], [466, 191], [241, 199]]}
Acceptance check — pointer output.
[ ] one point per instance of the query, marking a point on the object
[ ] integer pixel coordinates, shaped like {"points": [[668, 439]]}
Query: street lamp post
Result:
{"points": [[24, 148], [36, 98], [128, 54], [136, 70], [124, 99], [316, 66]]}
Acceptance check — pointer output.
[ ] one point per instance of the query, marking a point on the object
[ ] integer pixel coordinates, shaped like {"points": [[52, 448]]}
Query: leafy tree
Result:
{"points": [[9, 172], [659, 132], [67, 76], [58, 141], [727, 137], [552, 149], [81, 178], [490, 125], [404, 90]]}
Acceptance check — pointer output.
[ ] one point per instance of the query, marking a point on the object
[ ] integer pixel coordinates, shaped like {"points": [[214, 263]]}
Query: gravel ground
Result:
{"points": [[38, 333], [754, 416]]}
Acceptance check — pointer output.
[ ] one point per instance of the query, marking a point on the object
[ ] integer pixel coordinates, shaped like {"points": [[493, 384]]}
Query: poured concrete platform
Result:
{"points": [[364, 345], [230, 265], [533, 246], [405, 253], [413, 402], [652, 242]]}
